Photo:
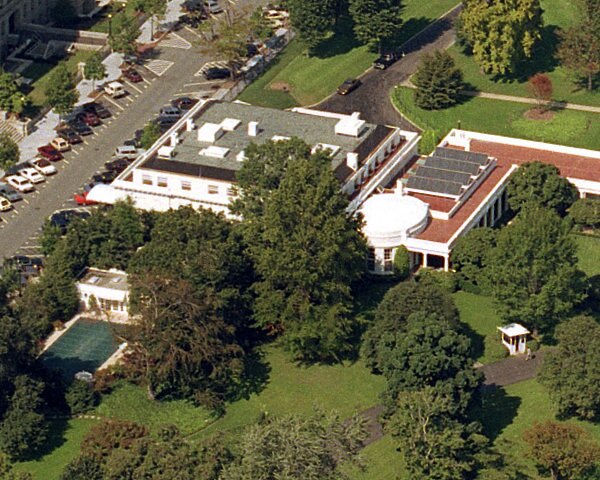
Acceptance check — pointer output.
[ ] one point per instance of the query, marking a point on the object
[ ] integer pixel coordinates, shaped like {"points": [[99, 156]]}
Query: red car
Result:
{"points": [[132, 75], [89, 118], [81, 199], [50, 153]]}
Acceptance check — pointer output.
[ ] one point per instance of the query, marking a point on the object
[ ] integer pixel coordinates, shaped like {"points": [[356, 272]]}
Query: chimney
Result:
{"points": [[352, 160], [189, 125], [252, 129]]}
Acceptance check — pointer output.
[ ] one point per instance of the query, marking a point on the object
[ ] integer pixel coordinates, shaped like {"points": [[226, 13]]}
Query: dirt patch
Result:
{"points": [[538, 114], [281, 86]]}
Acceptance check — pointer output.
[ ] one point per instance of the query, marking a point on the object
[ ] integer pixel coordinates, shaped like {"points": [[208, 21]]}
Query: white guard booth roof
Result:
{"points": [[102, 193]]}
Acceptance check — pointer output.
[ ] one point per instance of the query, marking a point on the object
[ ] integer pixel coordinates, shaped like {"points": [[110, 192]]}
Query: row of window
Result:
{"points": [[185, 185], [388, 260]]}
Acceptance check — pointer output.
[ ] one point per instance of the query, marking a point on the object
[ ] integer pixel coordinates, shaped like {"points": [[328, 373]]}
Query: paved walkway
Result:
{"points": [[512, 369]]}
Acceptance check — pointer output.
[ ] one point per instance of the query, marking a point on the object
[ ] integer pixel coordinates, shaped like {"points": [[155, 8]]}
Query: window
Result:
{"points": [[388, 266], [161, 181], [213, 189], [147, 180], [371, 260], [186, 185]]}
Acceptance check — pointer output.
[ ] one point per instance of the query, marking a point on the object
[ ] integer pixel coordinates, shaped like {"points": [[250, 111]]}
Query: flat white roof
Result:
{"points": [[513, 330]]}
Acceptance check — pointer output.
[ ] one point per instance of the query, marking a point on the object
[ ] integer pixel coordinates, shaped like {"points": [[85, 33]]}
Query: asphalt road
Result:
{"points": [[19, 228], [372, 98]]}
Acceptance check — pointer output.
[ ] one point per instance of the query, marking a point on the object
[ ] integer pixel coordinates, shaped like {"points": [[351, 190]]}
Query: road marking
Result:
{"points": [[201, 83], [131, 99], [175, 41], [159, 67], [192, 31], [76, 152], [4, 220], [115, 103], [66, 161], [26, 201], [133, 86]]}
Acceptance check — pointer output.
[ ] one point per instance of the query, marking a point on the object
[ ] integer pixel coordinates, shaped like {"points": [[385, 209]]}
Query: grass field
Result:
{"points": [[589, 254], [567, 127], [311, 79], [557, 14]]}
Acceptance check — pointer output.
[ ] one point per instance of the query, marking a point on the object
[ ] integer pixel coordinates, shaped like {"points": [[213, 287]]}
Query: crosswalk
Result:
{"points": [[158, 67], [175, 41], [206, 66]]}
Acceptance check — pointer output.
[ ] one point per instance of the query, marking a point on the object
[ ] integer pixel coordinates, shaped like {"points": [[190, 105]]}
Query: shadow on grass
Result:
{"points": [[342, 40], [477, 340], [415, 25], [496, 411], [256, 376], [55, 439]]}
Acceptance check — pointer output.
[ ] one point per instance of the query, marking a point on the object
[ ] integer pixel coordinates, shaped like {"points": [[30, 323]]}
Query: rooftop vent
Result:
{"points": [[209, 132], [214, 152], [252, 129], [230, 124], [190, 125], [352, 160], [165, 152], [240, 157], [93, 280], [350, 125]]}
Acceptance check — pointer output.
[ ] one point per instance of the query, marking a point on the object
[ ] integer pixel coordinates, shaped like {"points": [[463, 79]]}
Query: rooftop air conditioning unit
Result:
{"points": [[252, 129]]}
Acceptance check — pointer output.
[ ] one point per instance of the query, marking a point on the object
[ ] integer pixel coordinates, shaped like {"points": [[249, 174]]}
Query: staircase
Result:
{"points": [[13, 133]]}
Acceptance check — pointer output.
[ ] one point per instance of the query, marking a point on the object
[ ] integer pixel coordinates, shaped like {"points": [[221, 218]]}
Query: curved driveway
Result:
{"points": [[372, 98]]}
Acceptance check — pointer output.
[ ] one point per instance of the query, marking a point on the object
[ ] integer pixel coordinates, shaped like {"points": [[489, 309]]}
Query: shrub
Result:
{"points": [[429, 140], [446, 280], [81, 397], [438, 81], [402, 263]]}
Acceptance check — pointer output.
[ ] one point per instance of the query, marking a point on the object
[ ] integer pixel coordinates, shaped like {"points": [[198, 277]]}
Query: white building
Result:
{"points": [[514, 338], [106, 290], [196, 161]]}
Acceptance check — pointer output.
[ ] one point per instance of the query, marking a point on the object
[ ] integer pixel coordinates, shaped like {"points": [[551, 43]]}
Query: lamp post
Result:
{"points": [[110, 25]]}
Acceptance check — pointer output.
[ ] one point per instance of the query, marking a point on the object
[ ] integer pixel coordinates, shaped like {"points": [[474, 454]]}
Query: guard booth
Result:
{"points": [[514, 338]]}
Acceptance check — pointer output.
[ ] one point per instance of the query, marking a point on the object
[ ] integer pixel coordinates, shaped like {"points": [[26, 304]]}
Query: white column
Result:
{"points": [[425, 260], [446, 263]]}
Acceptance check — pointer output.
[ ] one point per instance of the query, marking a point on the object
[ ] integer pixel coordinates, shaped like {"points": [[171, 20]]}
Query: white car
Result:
{"points": [[32, 175], [43, 166], [5, 204], [20, 183]]}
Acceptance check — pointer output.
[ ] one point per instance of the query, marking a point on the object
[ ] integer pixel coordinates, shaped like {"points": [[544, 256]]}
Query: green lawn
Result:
{"points": [[63, 446], [381, 462], [589, 254], [311, 79], [567, 127], [557, 14]]}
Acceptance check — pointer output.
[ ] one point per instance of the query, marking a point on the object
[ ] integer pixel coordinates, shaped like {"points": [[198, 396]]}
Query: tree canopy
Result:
{"points": [[9, 151], [61, 93], [376, 21], [571, 372], [586, 212], [124, 34], [312, 19], [11, 97], [471, 256], [94, 69], [438, 81]]}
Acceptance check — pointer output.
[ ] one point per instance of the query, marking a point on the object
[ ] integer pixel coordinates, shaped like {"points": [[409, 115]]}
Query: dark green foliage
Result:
{"points": [[7, 472], [471, 256], [397, 305], [81, 397], [312, 19], [429, 352], [501, 34], [11, 97], [448, 281], [571, 372], [433, 444], [376, 21], [124, 34], [81, 468], [429, 140], [534, 269], [94, 69], [402, 263], [150, 134], [9, 152], [61, 93], [23, 428], [438, 81], [297, 448], [109, 435], [63, 13], [586, 212], [541, 184]]}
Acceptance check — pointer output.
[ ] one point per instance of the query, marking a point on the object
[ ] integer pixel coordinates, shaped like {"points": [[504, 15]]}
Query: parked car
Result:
{"points": [[8, 192], [117, 165], [70, 136], [104, 177], [80, 127], [20, 183], [81, 198], [115, 89], [348, 86], [43, 166], [385, 60], [132, 75], [170, 112], [89, 118], [277, 18], [62, 218], [60, 144], [27, 266], [32, 175], [50, 153], [5, 204], [184, 103], [100, 110], [127, 152], [217, 73], [213, 6]]}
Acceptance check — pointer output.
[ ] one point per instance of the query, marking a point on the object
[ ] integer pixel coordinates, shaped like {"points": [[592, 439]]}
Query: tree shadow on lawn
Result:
{"points": [[496, 411], [477, 340], [342, 41], [255, 378], [56, 438], [409, 29]]}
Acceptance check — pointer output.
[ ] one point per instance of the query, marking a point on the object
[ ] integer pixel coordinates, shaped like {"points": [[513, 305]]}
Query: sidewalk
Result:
{"points": [[168, 21], [531, 101]]}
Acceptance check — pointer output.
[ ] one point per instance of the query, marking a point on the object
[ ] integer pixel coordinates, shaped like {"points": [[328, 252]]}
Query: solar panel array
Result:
{"points": [[447, 171]]}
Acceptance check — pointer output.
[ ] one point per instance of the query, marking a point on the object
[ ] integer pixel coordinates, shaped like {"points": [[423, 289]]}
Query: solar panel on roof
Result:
{"points": [[434, 185], [473, 157], [447, 175], [451, 164]]}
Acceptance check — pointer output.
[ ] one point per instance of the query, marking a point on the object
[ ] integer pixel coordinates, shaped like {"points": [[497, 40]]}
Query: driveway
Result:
{"points": [[372, 99]]}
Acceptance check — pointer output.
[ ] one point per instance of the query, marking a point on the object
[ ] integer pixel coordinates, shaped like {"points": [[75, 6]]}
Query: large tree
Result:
{"points": [[392, 313], [534, 269], [308, 251], [430, 352], [376, 21], [541, 184], [571, 372], [297, 448], [471, 256], [438, 81], [312, 19], [586, 212], [61, 93], [9, 151], [11, 97], [124, 35], [564, 450], [94, 69], [501, 33]]}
